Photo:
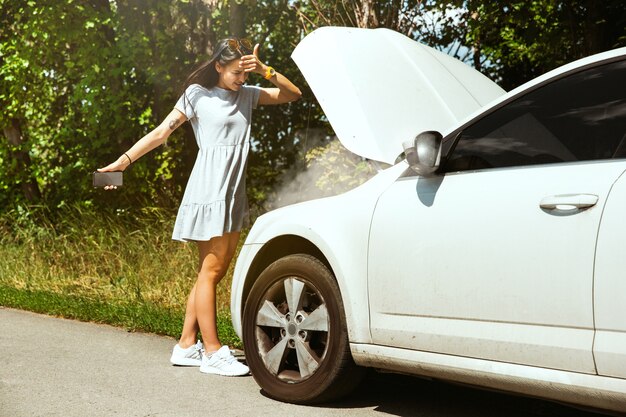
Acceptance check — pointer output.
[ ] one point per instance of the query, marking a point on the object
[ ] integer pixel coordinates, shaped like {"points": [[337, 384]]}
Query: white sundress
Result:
{"points": [[215, 200]]}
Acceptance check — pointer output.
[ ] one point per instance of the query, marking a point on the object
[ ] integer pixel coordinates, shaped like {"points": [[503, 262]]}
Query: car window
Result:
{"points": [[576, 118]]}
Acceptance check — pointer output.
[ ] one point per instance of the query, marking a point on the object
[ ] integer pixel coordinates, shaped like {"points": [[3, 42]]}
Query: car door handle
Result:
{"points": [[568, 201]]}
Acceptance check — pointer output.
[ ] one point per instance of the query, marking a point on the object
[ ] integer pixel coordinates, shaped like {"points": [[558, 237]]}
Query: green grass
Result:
{"points": [[119, 268]]}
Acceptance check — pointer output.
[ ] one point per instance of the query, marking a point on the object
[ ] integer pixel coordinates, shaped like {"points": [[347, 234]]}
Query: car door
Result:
{"points": [[494, 257], [610, 286]]}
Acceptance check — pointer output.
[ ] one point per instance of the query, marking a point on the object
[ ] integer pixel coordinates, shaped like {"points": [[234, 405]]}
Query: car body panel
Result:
{"points": [[591, 390], [610, 286], [494, 298], [325, 223], [370, 80]]}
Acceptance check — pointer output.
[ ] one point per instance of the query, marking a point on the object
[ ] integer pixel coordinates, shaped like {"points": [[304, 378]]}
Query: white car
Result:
{"points": [[492, 253]]}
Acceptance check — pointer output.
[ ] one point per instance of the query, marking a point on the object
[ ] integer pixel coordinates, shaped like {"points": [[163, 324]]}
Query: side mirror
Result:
{"points": [[424, 152]]}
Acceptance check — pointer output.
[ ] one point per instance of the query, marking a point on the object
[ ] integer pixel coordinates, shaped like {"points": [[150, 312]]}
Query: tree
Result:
{"points": [[37, 47], [511, 42], [524, 39], [84, 79]]}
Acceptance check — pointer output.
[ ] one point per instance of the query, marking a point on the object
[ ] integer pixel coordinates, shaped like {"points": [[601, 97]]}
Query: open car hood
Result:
{"points": [[379, 88]]}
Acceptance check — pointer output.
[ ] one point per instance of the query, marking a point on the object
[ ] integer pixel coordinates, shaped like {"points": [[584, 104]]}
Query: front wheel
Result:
{"points": [[295, 335]]}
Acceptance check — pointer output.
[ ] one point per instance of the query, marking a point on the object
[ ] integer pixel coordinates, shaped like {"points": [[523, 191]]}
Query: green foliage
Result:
{"points": [[113, 266], [143, 317], [513, 42], [276, 128], [339, 169], [85, 79], [82, 80], [133, 316]]}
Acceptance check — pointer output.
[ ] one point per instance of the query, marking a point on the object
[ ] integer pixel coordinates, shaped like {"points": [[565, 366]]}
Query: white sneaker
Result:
{"points": [[192, 356], [223, 363]]}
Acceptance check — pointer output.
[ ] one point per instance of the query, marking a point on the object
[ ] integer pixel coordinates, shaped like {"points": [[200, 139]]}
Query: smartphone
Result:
{"points": [[100, 179]]}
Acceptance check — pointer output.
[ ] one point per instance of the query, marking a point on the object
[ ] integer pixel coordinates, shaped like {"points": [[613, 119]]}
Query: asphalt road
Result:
{"points": [[57, 367]]}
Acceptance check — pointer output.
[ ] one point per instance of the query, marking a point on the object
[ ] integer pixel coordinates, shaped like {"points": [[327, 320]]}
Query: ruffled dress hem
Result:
{"points": [[199, 222]]}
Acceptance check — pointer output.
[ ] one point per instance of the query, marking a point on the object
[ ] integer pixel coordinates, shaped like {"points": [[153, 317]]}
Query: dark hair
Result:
{"points": [[205, 73]]}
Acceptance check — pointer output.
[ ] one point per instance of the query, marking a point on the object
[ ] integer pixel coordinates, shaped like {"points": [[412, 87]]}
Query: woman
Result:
{"points": [[219, 107]]}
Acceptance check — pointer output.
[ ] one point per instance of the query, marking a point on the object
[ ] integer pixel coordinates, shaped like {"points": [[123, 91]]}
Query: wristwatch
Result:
{"points": [[269, 72]]}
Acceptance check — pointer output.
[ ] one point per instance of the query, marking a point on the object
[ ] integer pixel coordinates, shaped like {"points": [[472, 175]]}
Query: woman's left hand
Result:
{"points": [[252, 63]]}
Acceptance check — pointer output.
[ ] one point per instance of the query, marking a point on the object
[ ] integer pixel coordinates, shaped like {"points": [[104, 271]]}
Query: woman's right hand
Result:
{"points": [[120, 165]]}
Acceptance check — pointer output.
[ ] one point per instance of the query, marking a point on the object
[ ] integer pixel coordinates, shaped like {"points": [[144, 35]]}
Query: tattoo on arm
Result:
{"points": [[174, 123]]}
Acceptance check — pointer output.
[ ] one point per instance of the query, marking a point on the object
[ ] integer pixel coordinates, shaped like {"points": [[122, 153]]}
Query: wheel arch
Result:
{"points": [[275, 249]]}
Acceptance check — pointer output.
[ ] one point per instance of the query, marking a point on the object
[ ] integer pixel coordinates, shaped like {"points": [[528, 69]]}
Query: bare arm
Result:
{"points": [[285, 90], [144, 145], [285, 93], [152, 140]]}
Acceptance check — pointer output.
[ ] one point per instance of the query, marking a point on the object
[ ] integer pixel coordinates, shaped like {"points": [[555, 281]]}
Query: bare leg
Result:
{"points": [[215, 257], [190, 327]]}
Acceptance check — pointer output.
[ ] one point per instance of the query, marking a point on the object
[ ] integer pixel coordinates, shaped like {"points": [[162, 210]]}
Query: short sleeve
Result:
{"points": [[253, 92], [187, 103]]}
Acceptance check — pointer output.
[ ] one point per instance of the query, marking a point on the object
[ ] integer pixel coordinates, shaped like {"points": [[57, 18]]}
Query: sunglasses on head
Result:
{"points": [[243, 46]]}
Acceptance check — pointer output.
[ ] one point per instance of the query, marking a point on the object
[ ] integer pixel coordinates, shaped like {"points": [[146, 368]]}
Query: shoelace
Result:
{"points": [[225, 359], [230, 359]]}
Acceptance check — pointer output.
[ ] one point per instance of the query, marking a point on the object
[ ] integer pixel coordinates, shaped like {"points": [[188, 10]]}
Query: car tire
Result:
{"points": [[295, 335]]}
